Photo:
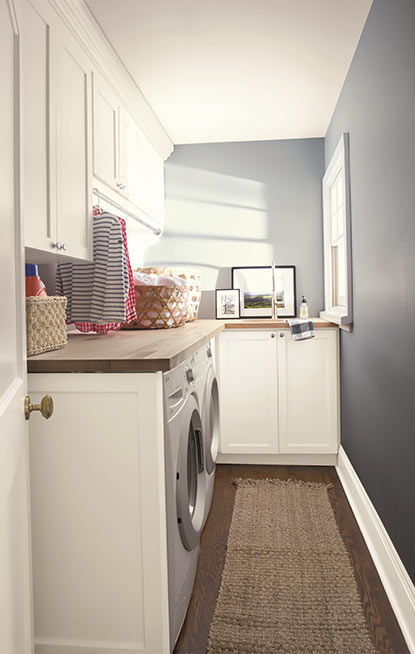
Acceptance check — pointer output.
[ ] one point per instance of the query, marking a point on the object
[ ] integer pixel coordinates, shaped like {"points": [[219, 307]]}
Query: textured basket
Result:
{"points": [[193, 284], [160, 307], [45, 324]]}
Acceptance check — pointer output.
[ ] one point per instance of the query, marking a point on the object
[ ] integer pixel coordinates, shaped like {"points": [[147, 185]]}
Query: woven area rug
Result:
{"points": [[288, 585]]}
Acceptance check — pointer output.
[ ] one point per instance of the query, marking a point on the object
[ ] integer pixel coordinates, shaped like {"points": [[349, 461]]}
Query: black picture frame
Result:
{"points": [[258, 280], [220, 312]]}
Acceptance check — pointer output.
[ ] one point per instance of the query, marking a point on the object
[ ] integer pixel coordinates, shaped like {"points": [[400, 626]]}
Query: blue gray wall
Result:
{"points": [[245, 204], [377, 108]]}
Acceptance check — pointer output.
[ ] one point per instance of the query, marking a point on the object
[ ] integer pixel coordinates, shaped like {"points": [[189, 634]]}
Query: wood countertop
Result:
{"points": [[145, 350]]}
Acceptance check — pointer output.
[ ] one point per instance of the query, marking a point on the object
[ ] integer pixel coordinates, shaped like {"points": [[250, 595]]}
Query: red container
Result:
{"points": [[34, 285]]}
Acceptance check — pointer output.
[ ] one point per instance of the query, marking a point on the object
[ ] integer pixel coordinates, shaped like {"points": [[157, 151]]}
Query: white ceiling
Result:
{"points": [[236, 70]]}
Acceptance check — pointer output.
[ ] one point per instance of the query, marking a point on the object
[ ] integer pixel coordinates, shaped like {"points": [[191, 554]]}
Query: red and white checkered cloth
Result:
{"points": [[130, 311]]}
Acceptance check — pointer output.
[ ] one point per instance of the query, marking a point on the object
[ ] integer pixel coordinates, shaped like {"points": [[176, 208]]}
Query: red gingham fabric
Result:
{"points": [[130, 311]]}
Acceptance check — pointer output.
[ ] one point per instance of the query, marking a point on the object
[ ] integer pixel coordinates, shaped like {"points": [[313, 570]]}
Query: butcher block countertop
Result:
{"points": [[146, 350]]}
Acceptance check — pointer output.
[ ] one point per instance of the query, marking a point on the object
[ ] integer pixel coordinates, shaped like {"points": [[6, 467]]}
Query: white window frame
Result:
{"points": [[339, 165]]}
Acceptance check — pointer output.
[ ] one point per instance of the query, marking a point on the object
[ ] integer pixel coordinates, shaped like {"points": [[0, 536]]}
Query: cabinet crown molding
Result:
{"points": [[81, 22]]}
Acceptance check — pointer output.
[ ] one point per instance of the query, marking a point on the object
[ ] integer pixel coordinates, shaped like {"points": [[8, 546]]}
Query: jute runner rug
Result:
{"points": [[288, 585]]}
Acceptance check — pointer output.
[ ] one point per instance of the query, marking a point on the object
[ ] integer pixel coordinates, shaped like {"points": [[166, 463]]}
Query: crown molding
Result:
{"points": [[80, 21]]}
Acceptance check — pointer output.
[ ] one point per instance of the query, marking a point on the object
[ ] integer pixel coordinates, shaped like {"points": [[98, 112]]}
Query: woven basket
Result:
{"points": [[160, 307], [193, 284], [45, 324]]}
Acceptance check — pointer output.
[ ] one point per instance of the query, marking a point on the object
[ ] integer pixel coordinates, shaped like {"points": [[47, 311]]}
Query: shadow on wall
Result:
{"points": [[213, 222]]}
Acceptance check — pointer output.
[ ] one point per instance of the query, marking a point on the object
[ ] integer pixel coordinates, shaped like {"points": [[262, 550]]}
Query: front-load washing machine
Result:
{"points": [[208, 393], [185, 487]]}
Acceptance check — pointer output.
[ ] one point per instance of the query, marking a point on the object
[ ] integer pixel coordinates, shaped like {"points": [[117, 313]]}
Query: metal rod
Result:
{"points": [[106, 198]]}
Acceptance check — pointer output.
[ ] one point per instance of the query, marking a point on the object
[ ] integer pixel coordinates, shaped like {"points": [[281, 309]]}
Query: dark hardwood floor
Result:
{"points": [[383, 626]]}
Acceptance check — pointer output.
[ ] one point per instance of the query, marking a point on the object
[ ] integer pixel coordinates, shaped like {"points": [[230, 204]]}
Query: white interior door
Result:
{"points": [[15, 567]]}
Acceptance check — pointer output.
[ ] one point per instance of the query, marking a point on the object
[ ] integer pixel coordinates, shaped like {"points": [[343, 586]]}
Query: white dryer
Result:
{"points": [[208, 393], [185, 487]]}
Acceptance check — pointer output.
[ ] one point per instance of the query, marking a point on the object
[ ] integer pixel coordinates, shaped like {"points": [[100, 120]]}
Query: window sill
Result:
{"points": [[344, 321]]}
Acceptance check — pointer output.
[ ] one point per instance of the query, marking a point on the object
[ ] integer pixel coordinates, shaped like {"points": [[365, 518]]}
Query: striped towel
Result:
{"points": [[97, 292], [131, 313], [301, 330]]}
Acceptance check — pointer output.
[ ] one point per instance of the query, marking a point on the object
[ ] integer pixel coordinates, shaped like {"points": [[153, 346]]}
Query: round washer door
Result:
{"points": [[190, 490], [211, 421]]}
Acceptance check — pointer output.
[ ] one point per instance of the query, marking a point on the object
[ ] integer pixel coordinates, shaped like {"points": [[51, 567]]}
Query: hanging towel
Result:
{"points": [[97, 292], [301, 330], [130, 308]]}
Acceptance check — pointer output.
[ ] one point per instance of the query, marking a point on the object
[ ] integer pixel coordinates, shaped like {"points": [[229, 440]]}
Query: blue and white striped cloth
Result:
{"points": [[97, 292], [301, 330]]}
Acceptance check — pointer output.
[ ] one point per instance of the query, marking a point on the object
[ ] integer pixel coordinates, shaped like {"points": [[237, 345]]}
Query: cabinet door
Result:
{"points": [[39, 224], [73, 145], [308, 393], [105, 126], [126, 151], [248, 390], [148, 189], [98, 514]]}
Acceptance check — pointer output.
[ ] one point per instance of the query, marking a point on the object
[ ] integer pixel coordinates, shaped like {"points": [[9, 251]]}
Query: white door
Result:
{"points": [[248, 392], [308, 393], [15, 574]]}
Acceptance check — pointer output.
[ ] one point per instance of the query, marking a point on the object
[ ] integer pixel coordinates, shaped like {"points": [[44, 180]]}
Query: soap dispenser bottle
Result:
{"points": [[303, 308]]}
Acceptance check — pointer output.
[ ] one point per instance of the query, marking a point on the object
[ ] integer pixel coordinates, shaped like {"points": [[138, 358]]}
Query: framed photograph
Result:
{"points": [[227, 303], [255, 286]]}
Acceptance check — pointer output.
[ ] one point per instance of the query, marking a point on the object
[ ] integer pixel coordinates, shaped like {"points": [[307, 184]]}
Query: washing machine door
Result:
{"points": [[190, 477], [211, 421]]}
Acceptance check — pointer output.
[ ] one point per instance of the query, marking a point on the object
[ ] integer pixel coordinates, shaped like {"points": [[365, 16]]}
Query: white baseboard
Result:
{"points": [[279, 459], [51, 646], [396, 581]]}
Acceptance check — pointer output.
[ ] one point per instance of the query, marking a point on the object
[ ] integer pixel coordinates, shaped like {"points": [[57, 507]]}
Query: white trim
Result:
{"points": [[280, 459], [339, 163], [51, 646], [396, 581]]}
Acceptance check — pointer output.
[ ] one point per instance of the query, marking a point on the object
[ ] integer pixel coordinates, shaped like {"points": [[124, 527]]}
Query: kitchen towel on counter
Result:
{"points": [[100, 294], [301, 330]]}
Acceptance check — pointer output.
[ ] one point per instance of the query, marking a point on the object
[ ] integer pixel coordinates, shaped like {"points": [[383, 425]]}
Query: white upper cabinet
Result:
{"points": [[85, 124], [56, 138], [73, 146], [124, 159], [105, 123]]}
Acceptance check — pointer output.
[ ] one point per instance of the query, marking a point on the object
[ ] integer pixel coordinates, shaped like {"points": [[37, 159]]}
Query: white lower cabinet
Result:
{"points": [[98, 515], [248, 383], [278, 396]]}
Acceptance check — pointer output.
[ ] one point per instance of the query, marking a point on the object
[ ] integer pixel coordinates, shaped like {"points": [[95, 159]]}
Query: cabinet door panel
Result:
{"points": [[105, 119], [248, 375], [39, 227], [73, 179], [98, 514], [308, 393], [125, 151]]}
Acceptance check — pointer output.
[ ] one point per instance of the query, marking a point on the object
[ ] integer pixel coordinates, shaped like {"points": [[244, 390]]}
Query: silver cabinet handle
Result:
{"points": [[60, 246], [282, 335], [272, 335]]}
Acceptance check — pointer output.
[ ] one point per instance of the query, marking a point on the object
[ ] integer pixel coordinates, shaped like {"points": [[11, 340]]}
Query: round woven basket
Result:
{"points": [[193, 284], [160, 307]]}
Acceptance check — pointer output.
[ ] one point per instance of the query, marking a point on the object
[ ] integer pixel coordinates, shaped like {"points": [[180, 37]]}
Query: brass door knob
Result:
{"points": [[45, 407]]}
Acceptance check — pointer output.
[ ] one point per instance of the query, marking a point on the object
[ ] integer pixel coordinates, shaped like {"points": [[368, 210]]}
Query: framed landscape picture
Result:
{"points": [[255, 286], [227, 303]]}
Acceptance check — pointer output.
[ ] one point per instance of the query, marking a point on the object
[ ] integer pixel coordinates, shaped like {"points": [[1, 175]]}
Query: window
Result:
{"points": [[337, 250]]}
